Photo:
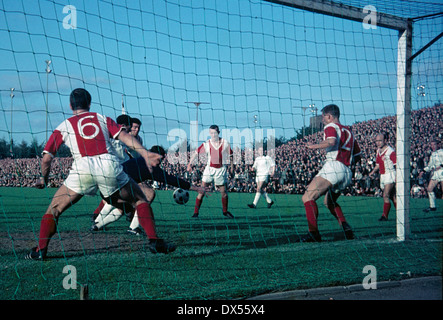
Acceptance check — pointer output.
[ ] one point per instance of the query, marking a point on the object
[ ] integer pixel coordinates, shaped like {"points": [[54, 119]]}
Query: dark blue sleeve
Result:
{"points": [[138, 170]]}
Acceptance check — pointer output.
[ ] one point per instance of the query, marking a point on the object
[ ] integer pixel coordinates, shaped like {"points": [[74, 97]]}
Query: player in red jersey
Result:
{"points": [[88, 136], [219, 153], [385, 160], [342, 150]]}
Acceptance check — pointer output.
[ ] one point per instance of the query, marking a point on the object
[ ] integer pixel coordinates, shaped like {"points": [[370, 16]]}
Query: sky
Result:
{"points": [[252, 63]]}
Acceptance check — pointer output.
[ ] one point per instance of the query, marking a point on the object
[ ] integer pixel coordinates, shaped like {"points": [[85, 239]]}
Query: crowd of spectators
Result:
{"points": [[296, 165], [26, 172]]}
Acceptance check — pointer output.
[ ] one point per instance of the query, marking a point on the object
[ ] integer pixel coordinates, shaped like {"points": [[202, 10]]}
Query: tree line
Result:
{"points": [[26, 150]]}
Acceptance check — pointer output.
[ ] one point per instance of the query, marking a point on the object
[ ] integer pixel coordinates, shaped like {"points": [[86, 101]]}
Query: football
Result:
{"points": [[181, 196]]}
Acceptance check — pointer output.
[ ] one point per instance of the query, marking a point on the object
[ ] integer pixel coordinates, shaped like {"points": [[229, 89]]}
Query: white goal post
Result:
{"points": [[404, 61]]}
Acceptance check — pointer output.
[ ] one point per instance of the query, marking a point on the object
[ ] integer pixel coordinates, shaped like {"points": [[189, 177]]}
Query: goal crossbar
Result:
{"points": [[348, 12]]}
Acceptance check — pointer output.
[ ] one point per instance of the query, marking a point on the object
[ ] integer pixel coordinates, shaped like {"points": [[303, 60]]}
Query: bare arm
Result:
{"points": [[322, 145], [152, 159], [272, 171], [191, 161], [376, 168], [46, 169]]}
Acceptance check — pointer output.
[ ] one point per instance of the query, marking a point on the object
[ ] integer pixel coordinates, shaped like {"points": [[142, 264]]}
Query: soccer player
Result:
{"points": [[137, 170], [342, 150], [135, 131], [218, 152], [123, 154], [434, 166], [385, 160], [264, 167], [88, 135]]}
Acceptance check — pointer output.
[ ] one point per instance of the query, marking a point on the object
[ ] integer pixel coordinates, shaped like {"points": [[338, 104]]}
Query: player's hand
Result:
{"points": [[189, 168], [152, 160], [40, 184]]}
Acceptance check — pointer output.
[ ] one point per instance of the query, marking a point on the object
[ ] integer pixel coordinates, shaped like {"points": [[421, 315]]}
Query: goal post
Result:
{"points": [[403, 131], [404, 48]]}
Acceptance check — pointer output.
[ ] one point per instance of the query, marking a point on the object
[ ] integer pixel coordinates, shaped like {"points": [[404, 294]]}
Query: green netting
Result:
{"points": [[263, 69]]}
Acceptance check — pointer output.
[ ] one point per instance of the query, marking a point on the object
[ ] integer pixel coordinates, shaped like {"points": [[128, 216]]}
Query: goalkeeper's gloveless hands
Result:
{"points": [[40, 184]]}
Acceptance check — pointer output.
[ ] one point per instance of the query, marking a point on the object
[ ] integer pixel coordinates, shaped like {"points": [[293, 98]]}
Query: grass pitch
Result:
{"points": [[216, 258]]}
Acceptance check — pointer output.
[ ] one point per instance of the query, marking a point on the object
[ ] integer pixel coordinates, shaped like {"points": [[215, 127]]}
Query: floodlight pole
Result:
{"points": [[48, 71], [11, 146], [123, 105], [197, 105], [304, 114], [314, 111]]}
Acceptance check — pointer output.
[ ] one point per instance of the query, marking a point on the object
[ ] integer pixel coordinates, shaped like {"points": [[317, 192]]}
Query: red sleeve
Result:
{"points": [[113, 128], [393, 157], [330, 133], [54, 143], [378, 160], [201, 149]]}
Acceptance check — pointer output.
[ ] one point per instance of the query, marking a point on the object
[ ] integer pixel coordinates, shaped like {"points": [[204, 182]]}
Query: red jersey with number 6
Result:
{"points": [[85, 134], [345, 146]]}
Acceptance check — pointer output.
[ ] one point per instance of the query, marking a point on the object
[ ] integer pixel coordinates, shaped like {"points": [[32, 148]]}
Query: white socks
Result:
{"points": [[431, 199], [134, 223], [107, 215], [257, 197]]}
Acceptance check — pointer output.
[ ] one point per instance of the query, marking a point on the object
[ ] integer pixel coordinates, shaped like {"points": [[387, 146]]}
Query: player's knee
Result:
{"points": [[55, 211], [139, 202], [150, 194], [306, 197]]}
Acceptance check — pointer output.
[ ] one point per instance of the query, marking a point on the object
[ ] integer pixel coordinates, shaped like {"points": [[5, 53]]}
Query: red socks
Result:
{"points": [[335, 210], [48, 227], [198, 203], [99, 208], [146, 219], [225, 204], [386, 208], [311, 214]]}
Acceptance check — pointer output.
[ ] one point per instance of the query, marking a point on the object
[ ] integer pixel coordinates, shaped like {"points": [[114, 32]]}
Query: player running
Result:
{"points": [[385, 160], [88, 135], [218, 152], [342, 150], [264, 167], [434, 166]]}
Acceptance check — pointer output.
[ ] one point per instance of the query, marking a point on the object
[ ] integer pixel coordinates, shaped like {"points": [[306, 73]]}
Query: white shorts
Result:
{"points": [[89, 174], [387, 178], [437, 175], [339, 175], [262, 178], [216, 175]]}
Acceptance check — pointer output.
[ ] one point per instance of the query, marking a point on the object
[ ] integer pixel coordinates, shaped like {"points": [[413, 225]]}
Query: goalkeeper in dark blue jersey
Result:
{"points": [[137, 169]]}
